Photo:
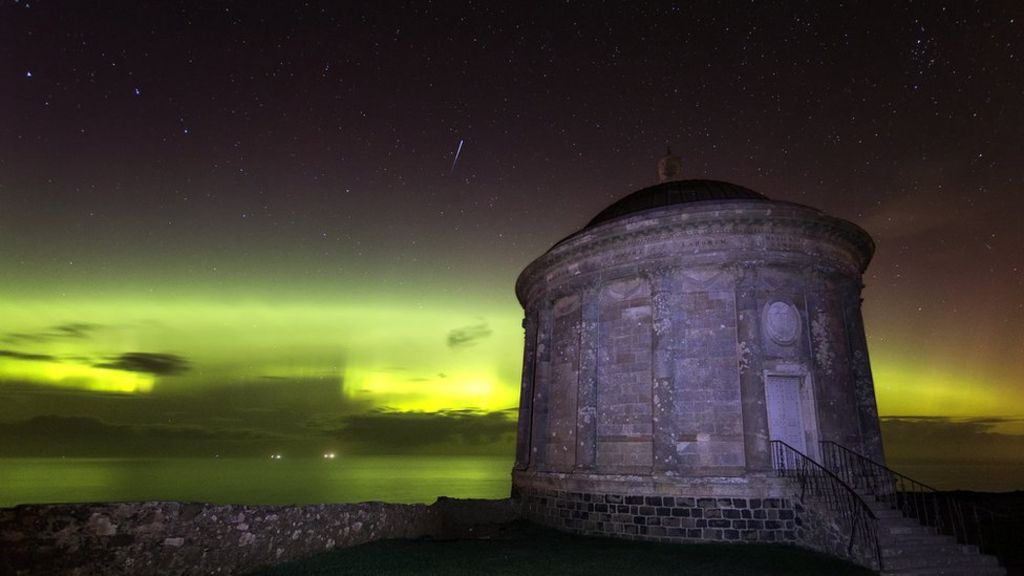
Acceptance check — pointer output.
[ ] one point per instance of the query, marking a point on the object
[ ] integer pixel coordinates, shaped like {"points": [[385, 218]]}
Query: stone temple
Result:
{"points": [[669, 341]]}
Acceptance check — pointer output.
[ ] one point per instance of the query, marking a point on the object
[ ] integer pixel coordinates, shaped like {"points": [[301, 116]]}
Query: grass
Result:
{"points": [[530, 550]]}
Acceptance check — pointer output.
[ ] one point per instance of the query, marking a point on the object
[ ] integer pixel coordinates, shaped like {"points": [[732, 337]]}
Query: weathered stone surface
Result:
{"points": [[684, 329], [172, 538], [668, 519], [658, 329]]}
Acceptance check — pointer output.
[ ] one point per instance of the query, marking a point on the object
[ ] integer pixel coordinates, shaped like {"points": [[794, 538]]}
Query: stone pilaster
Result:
{"points": [[860, 366], [751, 370], [586, 415], [664, 346], [541, 384], [833, 390], [524, 430]]}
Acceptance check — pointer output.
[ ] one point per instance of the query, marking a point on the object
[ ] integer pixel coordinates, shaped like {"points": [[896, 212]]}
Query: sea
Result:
{"points": [[974, 476], [399, 479]]}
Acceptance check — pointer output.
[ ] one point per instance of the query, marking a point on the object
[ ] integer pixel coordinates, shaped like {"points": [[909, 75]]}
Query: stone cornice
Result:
{"points": [[750, 229]]}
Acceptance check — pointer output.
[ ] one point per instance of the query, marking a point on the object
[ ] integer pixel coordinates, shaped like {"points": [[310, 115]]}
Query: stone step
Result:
{"points": [[969, 549], [976, 563], [906, 529], [882, 507], [940, 571], [903, 529], [921, 543], [901, 521], [920, 546], [935, 561], [887, 513], [909, 548]]}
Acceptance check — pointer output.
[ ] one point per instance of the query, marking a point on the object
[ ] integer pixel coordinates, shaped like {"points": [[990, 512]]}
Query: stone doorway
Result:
{"points": [[785, 410]]}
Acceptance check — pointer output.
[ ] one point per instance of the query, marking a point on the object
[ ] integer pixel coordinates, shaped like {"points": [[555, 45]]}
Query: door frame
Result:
{"points": [[808, 407]]}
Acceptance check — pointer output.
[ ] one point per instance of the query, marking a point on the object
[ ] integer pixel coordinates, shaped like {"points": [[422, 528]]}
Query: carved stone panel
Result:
{"points": [[562, 397], [624, 377], [782, 322]]}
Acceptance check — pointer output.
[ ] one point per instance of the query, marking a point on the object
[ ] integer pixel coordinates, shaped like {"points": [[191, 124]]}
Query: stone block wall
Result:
{"points": [[667, 518], [708, 422], [624, 385], [804, 522], [827, 531]]}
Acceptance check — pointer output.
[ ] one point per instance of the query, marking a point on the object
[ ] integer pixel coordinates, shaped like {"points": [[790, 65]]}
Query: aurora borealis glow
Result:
{"points": [[237, 228]]}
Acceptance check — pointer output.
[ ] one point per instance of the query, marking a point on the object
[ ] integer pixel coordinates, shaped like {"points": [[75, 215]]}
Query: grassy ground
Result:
{"points": [[529, 550]]}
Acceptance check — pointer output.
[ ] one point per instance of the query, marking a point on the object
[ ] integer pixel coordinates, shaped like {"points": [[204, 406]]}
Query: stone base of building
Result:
{"points": [[666, 518], [753, 508], [666, 509]]}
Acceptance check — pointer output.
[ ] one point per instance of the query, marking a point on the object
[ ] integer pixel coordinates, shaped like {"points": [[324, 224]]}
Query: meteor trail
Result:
{"points": [[457, 152]]}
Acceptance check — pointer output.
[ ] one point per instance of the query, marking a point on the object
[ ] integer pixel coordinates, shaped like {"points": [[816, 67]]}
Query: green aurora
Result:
{"points": [[224, 365]]}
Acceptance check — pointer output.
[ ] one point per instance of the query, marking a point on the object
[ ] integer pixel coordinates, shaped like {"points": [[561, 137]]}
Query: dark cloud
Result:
{"points": [[68, 330], [450, 432], [76, 329], [26, 356], [468, 335], [941, 439], [284, 405], [51, 435], [21, 337], [149, 362], [279, 406]]}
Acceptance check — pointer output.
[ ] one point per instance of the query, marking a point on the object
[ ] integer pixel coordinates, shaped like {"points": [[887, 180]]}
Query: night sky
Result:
{"points": [[256, 227]]}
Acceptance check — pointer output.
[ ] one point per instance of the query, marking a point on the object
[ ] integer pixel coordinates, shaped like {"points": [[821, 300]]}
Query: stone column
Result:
{"points": [[751, 369], [541, 383], [833, 390], [586, 400], [860, 365], [664, 345], [524, 430]]}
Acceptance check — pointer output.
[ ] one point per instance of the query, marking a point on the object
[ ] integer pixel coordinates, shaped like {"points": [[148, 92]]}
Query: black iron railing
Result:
{"points": [[818, 482], [914, 499]]}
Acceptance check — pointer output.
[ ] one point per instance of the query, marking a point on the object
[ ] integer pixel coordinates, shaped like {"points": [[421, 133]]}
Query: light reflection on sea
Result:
{"points": [[404, 479]]}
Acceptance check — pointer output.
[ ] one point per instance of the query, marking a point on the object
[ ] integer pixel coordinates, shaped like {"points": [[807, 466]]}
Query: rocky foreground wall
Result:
{"points": [[172, 538]]}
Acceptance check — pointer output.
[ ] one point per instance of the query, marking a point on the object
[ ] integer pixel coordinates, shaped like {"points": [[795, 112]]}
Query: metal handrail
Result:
{"points": [[914, 499], [836, 494]]}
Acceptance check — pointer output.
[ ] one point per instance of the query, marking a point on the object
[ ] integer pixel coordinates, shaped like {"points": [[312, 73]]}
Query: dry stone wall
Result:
{"points": [[172, 538]]}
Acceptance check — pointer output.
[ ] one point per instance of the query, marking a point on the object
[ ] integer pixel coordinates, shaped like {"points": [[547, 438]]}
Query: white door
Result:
{"points": [[785, 422]]}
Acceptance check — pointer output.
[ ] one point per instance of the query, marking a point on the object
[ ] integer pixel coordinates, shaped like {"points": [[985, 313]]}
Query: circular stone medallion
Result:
{"points": [[782, 322]]}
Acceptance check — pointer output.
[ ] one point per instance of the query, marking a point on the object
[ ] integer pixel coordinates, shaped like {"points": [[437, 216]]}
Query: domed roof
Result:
{"points": [[673, 193]]}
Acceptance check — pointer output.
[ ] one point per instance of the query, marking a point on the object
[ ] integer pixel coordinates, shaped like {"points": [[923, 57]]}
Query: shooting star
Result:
{"points": [[457, 152]]}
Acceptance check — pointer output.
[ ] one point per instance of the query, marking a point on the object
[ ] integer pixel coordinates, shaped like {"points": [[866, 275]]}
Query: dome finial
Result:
{"points": [[670, 167]]}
